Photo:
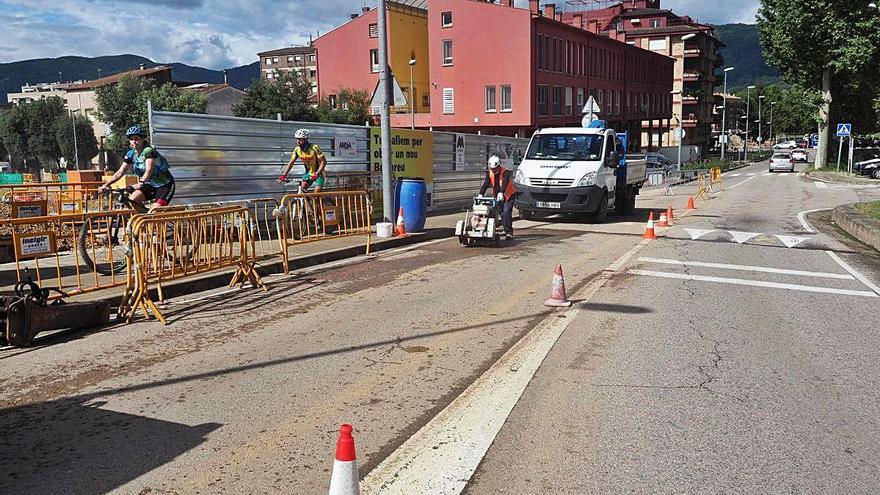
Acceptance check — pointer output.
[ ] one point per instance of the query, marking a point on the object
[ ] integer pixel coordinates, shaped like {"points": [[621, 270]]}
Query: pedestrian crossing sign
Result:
{"points": [[844, 130]]}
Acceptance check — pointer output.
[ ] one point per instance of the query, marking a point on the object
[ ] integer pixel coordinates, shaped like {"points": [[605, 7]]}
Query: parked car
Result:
{"points": [[781, 161], [799, 155], [657, 162], [870, 168], [786, 145]]}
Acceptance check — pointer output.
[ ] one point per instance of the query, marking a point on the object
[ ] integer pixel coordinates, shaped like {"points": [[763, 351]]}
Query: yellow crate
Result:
{"points": [[123, 182]]}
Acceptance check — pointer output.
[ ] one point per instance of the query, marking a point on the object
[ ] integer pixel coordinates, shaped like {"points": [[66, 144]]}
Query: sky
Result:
{"points": [[215, 34]]}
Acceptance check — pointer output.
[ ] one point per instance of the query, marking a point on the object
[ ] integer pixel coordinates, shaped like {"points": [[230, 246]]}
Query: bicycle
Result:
{"points": [[308, 222], [104, 237]]}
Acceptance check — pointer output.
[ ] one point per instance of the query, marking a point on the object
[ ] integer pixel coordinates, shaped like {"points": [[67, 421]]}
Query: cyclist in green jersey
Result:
{"points": [[313, 160], [155, 181]]}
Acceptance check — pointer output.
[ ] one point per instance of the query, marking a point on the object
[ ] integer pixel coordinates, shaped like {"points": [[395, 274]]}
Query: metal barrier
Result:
{"points": [[58, 198], [714, 178], [311, 217], [166, 246]]}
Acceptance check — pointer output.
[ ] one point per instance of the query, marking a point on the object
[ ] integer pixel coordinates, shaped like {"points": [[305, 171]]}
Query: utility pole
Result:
{"points": [[412, 97], [75, 147], [760, 137], [384, 114], [748, 117], [724, 114], [771, 121]]}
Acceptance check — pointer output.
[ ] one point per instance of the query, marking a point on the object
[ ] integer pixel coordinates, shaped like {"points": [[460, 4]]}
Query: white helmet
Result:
{"points": [[301, 134], [494, 161]]}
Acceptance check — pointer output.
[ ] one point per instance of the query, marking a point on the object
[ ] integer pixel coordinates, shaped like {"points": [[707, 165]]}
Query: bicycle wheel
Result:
{"points": [[100, 245]]}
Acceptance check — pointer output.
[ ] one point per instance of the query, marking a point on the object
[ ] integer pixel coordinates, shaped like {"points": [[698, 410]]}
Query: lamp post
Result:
{"points": [[412, 98], [724, 113], [771, 121], [679, 133], [748, 117], [760, 137], [384, 114]]}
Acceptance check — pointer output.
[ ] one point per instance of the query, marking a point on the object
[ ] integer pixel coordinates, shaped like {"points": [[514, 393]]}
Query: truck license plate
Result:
{"points": [[545, 204]]}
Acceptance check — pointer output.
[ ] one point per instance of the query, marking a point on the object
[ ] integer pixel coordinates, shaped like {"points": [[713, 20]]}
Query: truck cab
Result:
{"points": [[577, 170]]}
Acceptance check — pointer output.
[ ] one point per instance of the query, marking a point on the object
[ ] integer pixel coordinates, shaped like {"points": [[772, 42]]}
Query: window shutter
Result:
{"points": [[448, 100]]}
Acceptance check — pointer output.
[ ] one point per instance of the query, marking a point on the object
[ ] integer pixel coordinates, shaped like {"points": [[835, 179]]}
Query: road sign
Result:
{"points": [[379, 95], [844, 130], [591, 107], [680, 133], [814, 141]]}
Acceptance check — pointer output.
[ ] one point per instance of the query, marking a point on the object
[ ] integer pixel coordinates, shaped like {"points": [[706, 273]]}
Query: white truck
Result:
{"points": [[578, 170]]}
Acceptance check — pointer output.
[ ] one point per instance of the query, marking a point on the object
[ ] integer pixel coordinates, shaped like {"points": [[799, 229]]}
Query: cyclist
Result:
{"points": [[313, 160], [155, 181]]}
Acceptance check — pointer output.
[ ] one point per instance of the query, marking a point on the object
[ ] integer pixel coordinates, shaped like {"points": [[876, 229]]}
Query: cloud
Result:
{"points": [[715, 11]]}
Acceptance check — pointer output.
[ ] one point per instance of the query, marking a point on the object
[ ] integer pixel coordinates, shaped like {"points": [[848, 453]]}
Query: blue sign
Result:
{"points": [[844, 130], [814, 141]]}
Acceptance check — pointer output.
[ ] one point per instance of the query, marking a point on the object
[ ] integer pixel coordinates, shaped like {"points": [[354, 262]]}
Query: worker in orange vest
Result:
{"points": [[500, 180]]}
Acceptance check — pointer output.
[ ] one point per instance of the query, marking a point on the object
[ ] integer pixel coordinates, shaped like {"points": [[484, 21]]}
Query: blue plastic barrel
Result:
{"points": [[411, 194]]}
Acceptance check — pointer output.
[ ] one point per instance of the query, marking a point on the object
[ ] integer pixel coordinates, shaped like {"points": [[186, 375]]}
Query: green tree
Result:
{"points": [[815, 42], [86, 145], [289, 94], [28, 131], [795, 112], [350, 106]]}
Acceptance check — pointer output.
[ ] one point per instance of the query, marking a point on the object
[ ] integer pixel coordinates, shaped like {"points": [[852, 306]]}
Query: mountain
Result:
{"points": [[744, 52], [15, 74]]}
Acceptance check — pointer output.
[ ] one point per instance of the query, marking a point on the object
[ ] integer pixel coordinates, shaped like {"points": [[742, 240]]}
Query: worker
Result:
{"points": [[500, 180]]}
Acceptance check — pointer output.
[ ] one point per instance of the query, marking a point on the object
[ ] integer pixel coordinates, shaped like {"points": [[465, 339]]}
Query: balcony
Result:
{"points": [[689, 123], [690, 100], [693, 53]]}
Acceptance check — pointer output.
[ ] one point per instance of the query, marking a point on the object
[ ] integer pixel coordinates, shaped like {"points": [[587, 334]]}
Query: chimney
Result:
{"points": [[579, 20], [534, 6], [354, 16], [225, 78], [550, 11], [593, 26], [364, 10]]}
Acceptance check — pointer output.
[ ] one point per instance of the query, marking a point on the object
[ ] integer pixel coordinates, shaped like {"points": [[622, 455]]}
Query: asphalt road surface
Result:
{"points": [[735, 354]]}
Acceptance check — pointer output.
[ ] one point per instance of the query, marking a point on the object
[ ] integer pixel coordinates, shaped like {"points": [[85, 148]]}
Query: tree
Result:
{"points": [[28, 131], [86, 145], [124, 104], [814, 42], [288, 94], [349, 106], [795, 112]]}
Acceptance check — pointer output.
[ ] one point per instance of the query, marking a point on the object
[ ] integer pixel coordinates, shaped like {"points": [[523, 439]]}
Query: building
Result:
{"points": [[348, 56], [736, 111], [644, 24], [481, 78], [221, 97], [299, 59], [34, 92]]}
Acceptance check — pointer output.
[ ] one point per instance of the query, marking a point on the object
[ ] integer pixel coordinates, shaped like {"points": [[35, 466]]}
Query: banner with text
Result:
{"points": [[412, 155]]}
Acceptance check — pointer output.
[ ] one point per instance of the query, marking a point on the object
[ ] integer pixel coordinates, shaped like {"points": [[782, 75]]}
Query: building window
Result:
{"points": [[542, 99], [268, 61], [658, 44], [426, 100], [374, 60], [332, 99], [298, 58], [289, 59], [506, 99], [446, 19], [313, 73], [609, 103], [655, 23], [557, 100], [448, 100], [540, 52], [568, 100], [312, 58], [616, 102], [491, 105], [447, 52], [374, 30], [618, 26], [580, 98], [274, 60]]}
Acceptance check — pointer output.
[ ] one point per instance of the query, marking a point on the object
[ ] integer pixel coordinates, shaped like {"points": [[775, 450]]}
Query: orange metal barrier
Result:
{"points": [[311, 217], [57, 198], [172, 245]]}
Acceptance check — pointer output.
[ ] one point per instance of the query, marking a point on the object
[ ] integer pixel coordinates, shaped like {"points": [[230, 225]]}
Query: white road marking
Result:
{"points": [[767, 173], [752, 174], [863, 279], [442, 456], [821, 185], [747, 268], [754, 283], [802, 217], [734, 175], [741, 183], [791, 241], [741, 237], [697, 233]]}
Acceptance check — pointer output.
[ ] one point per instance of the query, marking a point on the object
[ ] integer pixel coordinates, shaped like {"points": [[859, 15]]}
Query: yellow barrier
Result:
{"points": [[311, 217], [701, 187], [715, 177], [78, 253], [172, 245], [60, 198]]}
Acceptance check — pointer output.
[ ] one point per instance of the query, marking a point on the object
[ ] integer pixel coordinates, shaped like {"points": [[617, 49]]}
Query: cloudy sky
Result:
{"points": [[213, 33]]}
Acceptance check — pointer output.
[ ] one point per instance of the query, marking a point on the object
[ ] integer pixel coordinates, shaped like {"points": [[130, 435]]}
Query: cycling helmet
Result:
{"points": [[135, 130], [494, 161], [301, 134]]}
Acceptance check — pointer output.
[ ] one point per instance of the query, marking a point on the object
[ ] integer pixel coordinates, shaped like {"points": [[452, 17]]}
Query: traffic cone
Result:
{"points": [[664, 220], [649, 229], [344, 479], [670, 217], [400, 230], [557, 293], [691, 205]]}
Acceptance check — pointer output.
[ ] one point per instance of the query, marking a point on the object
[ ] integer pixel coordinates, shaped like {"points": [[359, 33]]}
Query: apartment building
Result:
{"points": [[299, 59], [34, 92]]}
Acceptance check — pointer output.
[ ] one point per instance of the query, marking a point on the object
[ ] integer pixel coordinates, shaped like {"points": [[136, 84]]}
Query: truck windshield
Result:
{"points": [[566, 147]]}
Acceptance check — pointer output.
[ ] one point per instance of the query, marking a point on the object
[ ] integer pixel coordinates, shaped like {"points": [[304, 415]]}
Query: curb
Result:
{"points": [[858, 225], [860, 181]]}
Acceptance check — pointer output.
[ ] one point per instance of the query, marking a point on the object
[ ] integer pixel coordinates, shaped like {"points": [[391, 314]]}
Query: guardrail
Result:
{"points": [[310, 217], [166, 246]]}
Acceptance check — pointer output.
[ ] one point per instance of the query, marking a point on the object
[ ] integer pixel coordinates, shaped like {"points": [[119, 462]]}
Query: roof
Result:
{"points": [[645, 12], [683, 29], [207, 88], [418, 4], [290, 50], [105, 81]]}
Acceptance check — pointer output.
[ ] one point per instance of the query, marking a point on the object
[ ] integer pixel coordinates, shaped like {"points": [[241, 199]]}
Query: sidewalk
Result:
{"points": [[842, 178]]}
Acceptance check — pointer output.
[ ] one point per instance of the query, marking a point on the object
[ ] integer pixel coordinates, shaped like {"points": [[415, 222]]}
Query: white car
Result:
{"points": [[781, 160], [787, 145], [799, 155]]}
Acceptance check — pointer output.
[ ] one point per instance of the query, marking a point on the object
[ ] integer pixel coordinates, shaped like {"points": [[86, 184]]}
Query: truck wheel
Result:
{"points": [[601, 212]]}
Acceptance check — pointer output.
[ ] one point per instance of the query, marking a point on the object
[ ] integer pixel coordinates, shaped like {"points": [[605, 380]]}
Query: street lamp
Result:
{"points": [[771, 121], [760, 137], [412, 98], [680, 131], [724, 113], [748, 114]]}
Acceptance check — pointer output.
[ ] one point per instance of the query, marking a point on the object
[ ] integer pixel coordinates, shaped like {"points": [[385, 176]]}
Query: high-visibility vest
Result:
{"points": [[509, 188]]}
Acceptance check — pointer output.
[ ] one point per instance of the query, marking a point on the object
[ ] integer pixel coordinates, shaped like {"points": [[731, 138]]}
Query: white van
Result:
{"points": [[577, 170]]}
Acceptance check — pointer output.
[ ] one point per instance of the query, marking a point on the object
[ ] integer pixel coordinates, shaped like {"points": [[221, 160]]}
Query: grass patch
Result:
{"points": [[870, 209]]}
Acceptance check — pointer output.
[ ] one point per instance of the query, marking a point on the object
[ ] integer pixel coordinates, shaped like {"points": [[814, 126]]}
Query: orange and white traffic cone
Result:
{"points": [[649, 229], [400, 230], [557, 293], [670, 217], [344, 479], [691, 205], [663, 222]]}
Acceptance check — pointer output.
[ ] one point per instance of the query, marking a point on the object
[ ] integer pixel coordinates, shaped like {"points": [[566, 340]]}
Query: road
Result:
{"points": [[714, 359]]}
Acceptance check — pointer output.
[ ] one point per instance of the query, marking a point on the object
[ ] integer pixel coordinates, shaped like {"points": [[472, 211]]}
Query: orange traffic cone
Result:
{"points": [[344, 479], [649, 229], [400, 230], [669, 215], [663, 222], [557, 293], [691, 205]]}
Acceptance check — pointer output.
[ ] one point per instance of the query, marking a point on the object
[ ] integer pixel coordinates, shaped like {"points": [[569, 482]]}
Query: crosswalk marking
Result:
{"points": [[747, 268], [697, 233], [790, 240], [741, 237], [734, 175], [821, 185]]}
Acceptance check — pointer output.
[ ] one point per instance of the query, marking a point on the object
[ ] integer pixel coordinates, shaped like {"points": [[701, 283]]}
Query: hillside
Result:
{"points": [[744, 52], [15, 74]]}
